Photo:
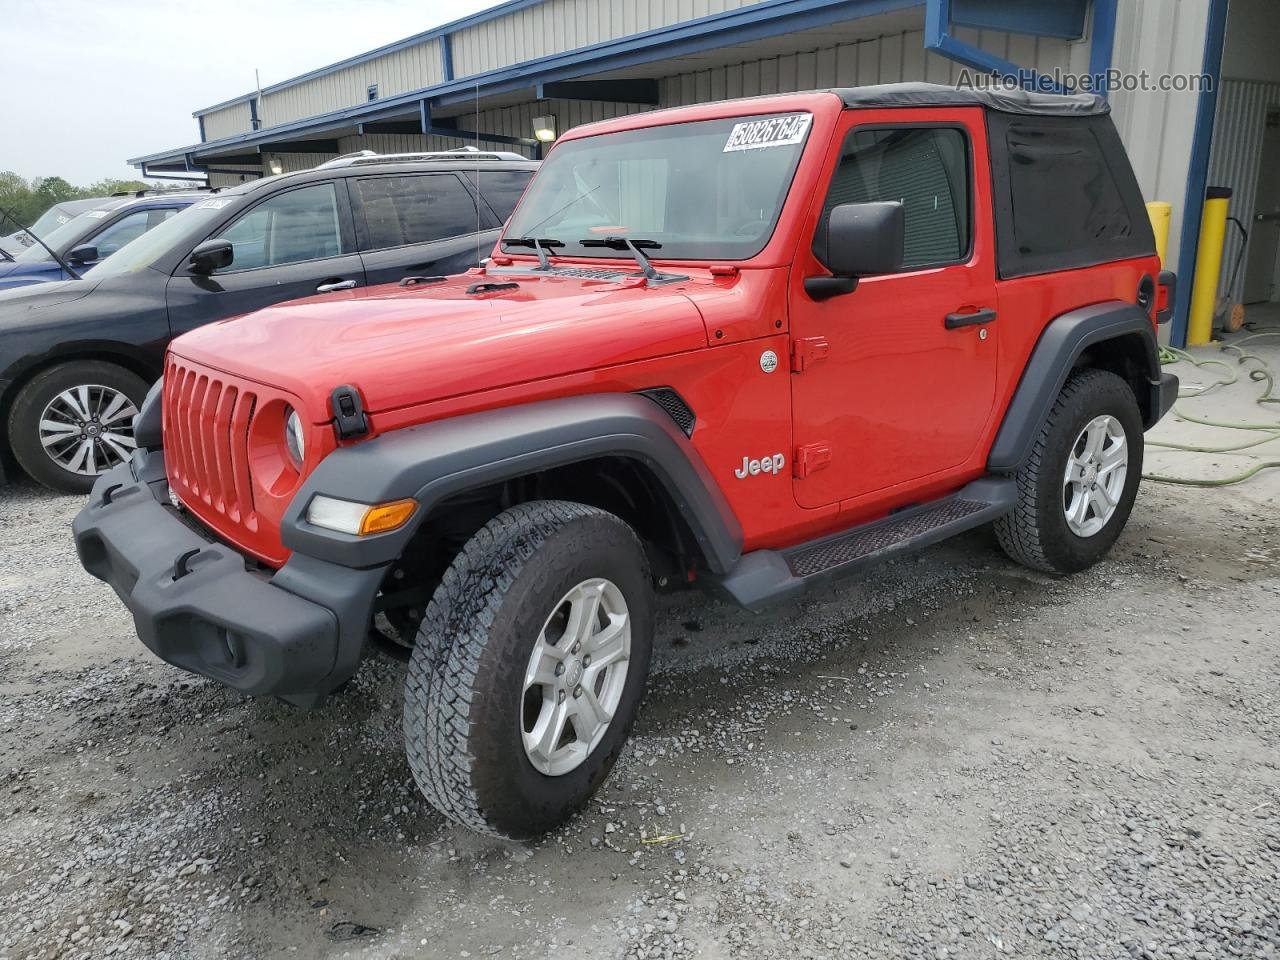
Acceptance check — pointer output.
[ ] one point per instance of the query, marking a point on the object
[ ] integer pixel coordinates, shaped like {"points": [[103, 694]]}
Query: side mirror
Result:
{"points": [[210, 256], [857, 240], [85, 253]]}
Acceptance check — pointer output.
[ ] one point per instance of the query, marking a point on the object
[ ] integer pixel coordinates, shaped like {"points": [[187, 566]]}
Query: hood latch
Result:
{"points": [[349, 419]]}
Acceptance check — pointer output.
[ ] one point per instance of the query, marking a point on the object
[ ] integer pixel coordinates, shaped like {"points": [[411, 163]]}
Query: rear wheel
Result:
{"points": [[74, 422], [529, 668], [1076, 490]]}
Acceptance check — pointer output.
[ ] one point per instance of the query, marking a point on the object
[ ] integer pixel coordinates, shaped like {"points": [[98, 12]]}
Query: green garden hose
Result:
{"points": [[1260, 374]]}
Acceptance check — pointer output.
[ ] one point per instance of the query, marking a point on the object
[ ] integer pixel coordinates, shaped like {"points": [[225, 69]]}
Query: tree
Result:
{"points": [[26, 199]]}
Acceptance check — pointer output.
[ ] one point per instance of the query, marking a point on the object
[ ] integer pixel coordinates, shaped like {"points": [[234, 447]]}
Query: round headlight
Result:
{"points": [[293, 438]]}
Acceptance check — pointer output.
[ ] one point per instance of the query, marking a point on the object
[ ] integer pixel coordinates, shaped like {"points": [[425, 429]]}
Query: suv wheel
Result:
{"points": [[529, 667], [74, 422], [1077, 488]]}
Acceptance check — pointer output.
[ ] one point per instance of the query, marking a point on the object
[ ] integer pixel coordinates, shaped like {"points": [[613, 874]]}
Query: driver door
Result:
{"points": [[288, 245], [896, 392]]}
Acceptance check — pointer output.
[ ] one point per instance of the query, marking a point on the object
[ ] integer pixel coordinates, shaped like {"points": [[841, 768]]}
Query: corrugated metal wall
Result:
{"points": [[227, 122], [559, 25], [399, 72], [1235, 156], [1160, 37]]}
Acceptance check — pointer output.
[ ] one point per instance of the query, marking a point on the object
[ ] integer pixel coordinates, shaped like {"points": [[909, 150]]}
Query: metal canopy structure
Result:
{"points": [[475, 74]]}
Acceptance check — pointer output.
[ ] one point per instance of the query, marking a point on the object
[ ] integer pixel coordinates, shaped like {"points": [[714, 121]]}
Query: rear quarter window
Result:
{"points": [[1065, 195]]}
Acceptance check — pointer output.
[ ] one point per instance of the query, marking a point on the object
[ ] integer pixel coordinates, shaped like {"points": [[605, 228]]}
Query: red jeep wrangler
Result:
{"points": [[746, 346]]}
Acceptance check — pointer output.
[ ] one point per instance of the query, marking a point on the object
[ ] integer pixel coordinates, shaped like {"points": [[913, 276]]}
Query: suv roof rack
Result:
{"points": [[365, 157], [161, 191]]}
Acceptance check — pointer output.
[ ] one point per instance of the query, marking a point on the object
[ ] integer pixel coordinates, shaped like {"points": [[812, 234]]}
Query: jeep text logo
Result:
{"points": [[751, 468]]}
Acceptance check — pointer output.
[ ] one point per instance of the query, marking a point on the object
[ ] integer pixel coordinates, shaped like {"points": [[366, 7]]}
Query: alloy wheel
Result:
{"points": [[576, 676], [1093, 482], [88, 429]]}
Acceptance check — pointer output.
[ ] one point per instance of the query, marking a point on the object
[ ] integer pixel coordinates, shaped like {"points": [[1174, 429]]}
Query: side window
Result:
{"points": [[501, 189], [414, 209], [927, 170], [287, 228], [1067, 207], [129, 227]]}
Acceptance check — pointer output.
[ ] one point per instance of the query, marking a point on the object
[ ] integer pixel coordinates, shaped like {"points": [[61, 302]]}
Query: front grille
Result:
{"points": [[207, 442]]}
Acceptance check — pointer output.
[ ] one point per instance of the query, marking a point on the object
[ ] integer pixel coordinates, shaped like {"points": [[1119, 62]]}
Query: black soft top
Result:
{"points": [[1004, 101]]}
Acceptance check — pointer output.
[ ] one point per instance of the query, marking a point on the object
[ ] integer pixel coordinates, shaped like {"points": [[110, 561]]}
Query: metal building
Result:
{"points": [[485, 79]]}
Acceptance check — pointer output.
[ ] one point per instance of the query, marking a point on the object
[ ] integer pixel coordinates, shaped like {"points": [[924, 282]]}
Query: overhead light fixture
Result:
{"points": [[544, 128], [275, 166]]}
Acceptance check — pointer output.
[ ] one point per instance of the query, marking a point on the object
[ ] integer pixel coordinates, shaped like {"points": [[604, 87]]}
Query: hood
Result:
{"points": [[17, 301], [407, 345], [21, 274]]}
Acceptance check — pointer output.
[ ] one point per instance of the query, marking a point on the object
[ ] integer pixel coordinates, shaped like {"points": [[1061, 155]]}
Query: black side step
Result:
{"points": [[766, 576]]}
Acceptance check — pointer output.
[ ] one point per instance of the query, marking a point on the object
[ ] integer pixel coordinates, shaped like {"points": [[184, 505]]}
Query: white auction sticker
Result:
{"points": [[217, 203], [95, 214], [771, 132]]}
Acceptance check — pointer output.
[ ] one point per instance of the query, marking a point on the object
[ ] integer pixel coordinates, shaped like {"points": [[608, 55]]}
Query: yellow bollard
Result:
{"points": [[1204, 289], [1159, 212]]}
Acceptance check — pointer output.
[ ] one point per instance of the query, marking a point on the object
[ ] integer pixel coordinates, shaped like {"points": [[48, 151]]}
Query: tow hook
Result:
{"points": [[182, 566]]}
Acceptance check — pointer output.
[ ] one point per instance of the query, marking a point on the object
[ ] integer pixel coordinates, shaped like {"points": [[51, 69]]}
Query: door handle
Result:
{"points": [[983, 315], [335, 285]]}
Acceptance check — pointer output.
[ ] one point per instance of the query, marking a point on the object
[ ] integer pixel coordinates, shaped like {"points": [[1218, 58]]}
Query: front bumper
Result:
{"points": [[296, 634]]}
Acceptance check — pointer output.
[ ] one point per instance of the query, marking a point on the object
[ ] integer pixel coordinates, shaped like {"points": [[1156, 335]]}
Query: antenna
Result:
{"points": [[477, 180]]}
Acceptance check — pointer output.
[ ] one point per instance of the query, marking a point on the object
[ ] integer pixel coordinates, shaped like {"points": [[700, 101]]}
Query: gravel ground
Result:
{"points": [[950, 758]]}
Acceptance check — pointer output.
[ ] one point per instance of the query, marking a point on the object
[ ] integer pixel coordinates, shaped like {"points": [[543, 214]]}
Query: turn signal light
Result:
{"points": [[359, 519]]}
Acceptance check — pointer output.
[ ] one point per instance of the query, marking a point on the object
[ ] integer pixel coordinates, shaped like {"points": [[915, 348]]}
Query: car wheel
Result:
{"points": [[1076, 490], [74, 422], [529, 668]]}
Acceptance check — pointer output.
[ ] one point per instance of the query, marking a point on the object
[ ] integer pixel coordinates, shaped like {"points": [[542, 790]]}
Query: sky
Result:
{"points": [[86, 85]]}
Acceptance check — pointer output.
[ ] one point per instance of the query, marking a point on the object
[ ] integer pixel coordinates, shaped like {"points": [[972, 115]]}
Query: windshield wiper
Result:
{"points": [[636, 248], [5, 214], [539, 244]]}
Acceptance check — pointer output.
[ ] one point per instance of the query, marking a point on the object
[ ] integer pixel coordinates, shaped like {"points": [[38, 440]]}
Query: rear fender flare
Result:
{"points": [[1060, 346], [434, 461]]}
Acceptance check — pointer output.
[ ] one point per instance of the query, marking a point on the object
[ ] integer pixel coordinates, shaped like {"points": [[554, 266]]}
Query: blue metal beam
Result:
{"points": [[643, 91], [446, 56], [1061, 18], [1198, 172], [937, 37]]}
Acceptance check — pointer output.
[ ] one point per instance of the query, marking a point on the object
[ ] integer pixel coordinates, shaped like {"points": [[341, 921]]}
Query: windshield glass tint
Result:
{"points": [[156, 242], [62, 238], [710, 190]]}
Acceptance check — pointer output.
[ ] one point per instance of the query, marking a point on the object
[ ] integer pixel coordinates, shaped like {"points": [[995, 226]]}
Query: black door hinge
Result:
{"points": [[348, 412]]}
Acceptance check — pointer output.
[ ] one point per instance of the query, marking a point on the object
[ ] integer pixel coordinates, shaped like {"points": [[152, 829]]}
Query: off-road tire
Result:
{"points": [[24, 417], [1036, 533], [464, 689]]}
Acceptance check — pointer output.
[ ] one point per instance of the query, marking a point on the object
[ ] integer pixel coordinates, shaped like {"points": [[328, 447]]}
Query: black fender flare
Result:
{"points": [[433, 461], [1060, 345]]}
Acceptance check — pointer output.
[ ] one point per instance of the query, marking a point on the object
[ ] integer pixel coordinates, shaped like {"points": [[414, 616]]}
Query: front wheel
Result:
{"points": [[529, 668], [1076, 490], [73, 422]]}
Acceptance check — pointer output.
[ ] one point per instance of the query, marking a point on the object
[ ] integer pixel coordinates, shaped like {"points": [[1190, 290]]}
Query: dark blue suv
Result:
{"points": [[92, 236]]}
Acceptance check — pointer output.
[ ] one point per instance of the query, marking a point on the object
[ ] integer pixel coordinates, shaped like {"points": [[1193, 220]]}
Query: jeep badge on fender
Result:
{"points": [[570, 414], [751, 468]]}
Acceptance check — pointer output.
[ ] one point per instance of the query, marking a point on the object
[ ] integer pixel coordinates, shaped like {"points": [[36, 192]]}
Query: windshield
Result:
{"points": [[710, 190], [144, 251], [50, 220], [61, 238]]}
